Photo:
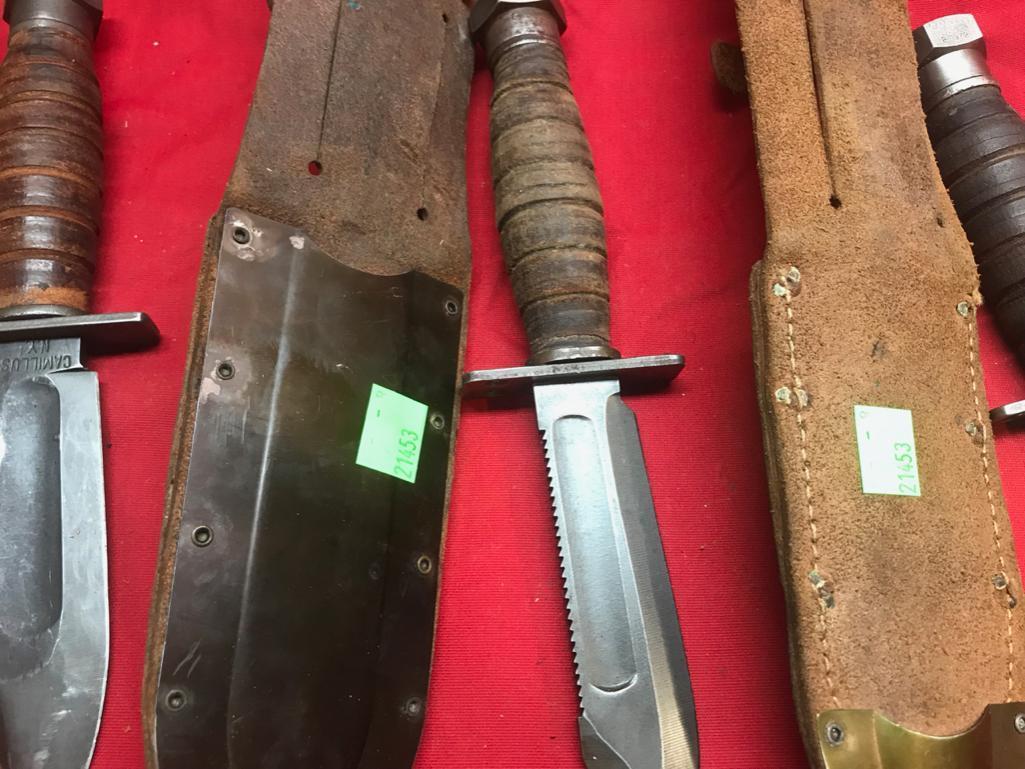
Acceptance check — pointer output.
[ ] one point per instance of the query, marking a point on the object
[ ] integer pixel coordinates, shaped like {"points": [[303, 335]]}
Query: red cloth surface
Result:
{"points": [[676, 164]]}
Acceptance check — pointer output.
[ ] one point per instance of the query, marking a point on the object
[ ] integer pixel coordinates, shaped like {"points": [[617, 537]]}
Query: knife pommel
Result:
{"points": [[51, 158], [548, 206]]}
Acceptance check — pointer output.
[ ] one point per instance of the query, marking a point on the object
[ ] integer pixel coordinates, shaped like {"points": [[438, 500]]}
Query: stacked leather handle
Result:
{"points": [[51, 159], [979, 143], [547, 202]]}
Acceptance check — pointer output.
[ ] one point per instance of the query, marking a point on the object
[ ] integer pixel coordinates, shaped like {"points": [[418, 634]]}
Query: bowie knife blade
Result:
{"points": [[636, 700], [54, 638]]}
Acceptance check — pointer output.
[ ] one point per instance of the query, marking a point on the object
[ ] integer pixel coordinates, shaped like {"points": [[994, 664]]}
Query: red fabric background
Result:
{"points": [[676, 164]]}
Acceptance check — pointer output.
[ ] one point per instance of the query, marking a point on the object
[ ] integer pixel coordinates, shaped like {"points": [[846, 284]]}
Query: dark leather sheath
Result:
{"points": [[295, 628]]}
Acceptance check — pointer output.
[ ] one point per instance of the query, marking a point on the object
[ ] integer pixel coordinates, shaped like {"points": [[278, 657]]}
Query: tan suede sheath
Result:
{"points": [[867, 295], [357, 136]]}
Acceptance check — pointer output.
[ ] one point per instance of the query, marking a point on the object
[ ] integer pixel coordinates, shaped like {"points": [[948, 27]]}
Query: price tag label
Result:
{"points": [[886, 450], [392, 434]]}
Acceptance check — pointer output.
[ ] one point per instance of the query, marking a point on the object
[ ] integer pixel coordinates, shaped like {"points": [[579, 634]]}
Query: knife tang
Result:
{"points": [[51, 158], [548, 206]]}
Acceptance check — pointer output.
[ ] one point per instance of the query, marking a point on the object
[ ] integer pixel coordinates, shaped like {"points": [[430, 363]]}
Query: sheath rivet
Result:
{"points": [[963, 309], [241, 235], [834, 733], [451, 307], [202, 536], [225, 370], [976, 431], [424, 564], [1019, 723], [414, 707], [437, 421], [175, 699]]}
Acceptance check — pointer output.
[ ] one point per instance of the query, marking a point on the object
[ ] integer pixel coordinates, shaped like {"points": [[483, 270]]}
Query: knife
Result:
{"points": [[637, 708], [54, 638]]}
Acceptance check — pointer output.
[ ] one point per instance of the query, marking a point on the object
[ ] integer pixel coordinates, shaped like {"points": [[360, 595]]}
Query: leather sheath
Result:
{"points": [[867, 295], [359, 143]]}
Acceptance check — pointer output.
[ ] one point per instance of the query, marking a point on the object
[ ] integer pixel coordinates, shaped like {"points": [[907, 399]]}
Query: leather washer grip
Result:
{"points": [[979, 142], [548, 206], [51, 158]]}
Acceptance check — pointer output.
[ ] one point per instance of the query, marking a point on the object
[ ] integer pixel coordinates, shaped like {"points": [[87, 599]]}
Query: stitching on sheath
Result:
{"points": [[812, 525], [984, 455]]}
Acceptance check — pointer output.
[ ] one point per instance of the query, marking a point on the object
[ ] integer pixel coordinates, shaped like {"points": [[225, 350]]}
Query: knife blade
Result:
{"points": [[637, 707], [54, 637]]}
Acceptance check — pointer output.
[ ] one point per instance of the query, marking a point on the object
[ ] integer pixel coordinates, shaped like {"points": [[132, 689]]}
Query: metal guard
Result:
{"points": [[302, 609], [865, 739]]}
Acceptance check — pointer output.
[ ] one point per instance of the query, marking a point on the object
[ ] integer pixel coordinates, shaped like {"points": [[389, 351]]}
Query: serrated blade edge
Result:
{"points": [[634, 686]]}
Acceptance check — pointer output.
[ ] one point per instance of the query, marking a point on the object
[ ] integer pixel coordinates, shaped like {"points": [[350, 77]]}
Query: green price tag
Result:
{"points": [[392, 434], [886, 449]]}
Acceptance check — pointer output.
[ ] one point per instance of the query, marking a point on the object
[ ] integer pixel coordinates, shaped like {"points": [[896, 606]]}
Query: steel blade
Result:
{"points": [[54, 641], [637, 705]]}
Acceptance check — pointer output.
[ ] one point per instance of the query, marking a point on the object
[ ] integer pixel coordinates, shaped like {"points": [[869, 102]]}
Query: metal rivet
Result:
{"points": [[225, 370], [451, 307], [834, 733], [1019, 723], [202, 536], [963, 309], [783, 395], [437, 421], [414, 707], [241, 235], [424, 564], [1000, 581], [375, 571], [976, 431], [175, 699]]}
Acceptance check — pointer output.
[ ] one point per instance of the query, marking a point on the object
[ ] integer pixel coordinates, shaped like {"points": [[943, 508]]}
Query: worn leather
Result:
{"points": [[356, 136], [907, 617]]}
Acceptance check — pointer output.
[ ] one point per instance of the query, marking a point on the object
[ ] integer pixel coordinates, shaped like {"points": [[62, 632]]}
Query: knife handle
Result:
{"points": [[51, 158], [548, 206], [979, 142]]}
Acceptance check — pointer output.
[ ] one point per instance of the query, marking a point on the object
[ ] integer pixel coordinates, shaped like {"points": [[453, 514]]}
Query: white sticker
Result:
{"points": [[886, 449]]}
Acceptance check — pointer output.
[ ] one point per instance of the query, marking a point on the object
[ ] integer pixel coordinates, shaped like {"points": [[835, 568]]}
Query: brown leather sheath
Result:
{"points": [[356, 139], [906, 606]]}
